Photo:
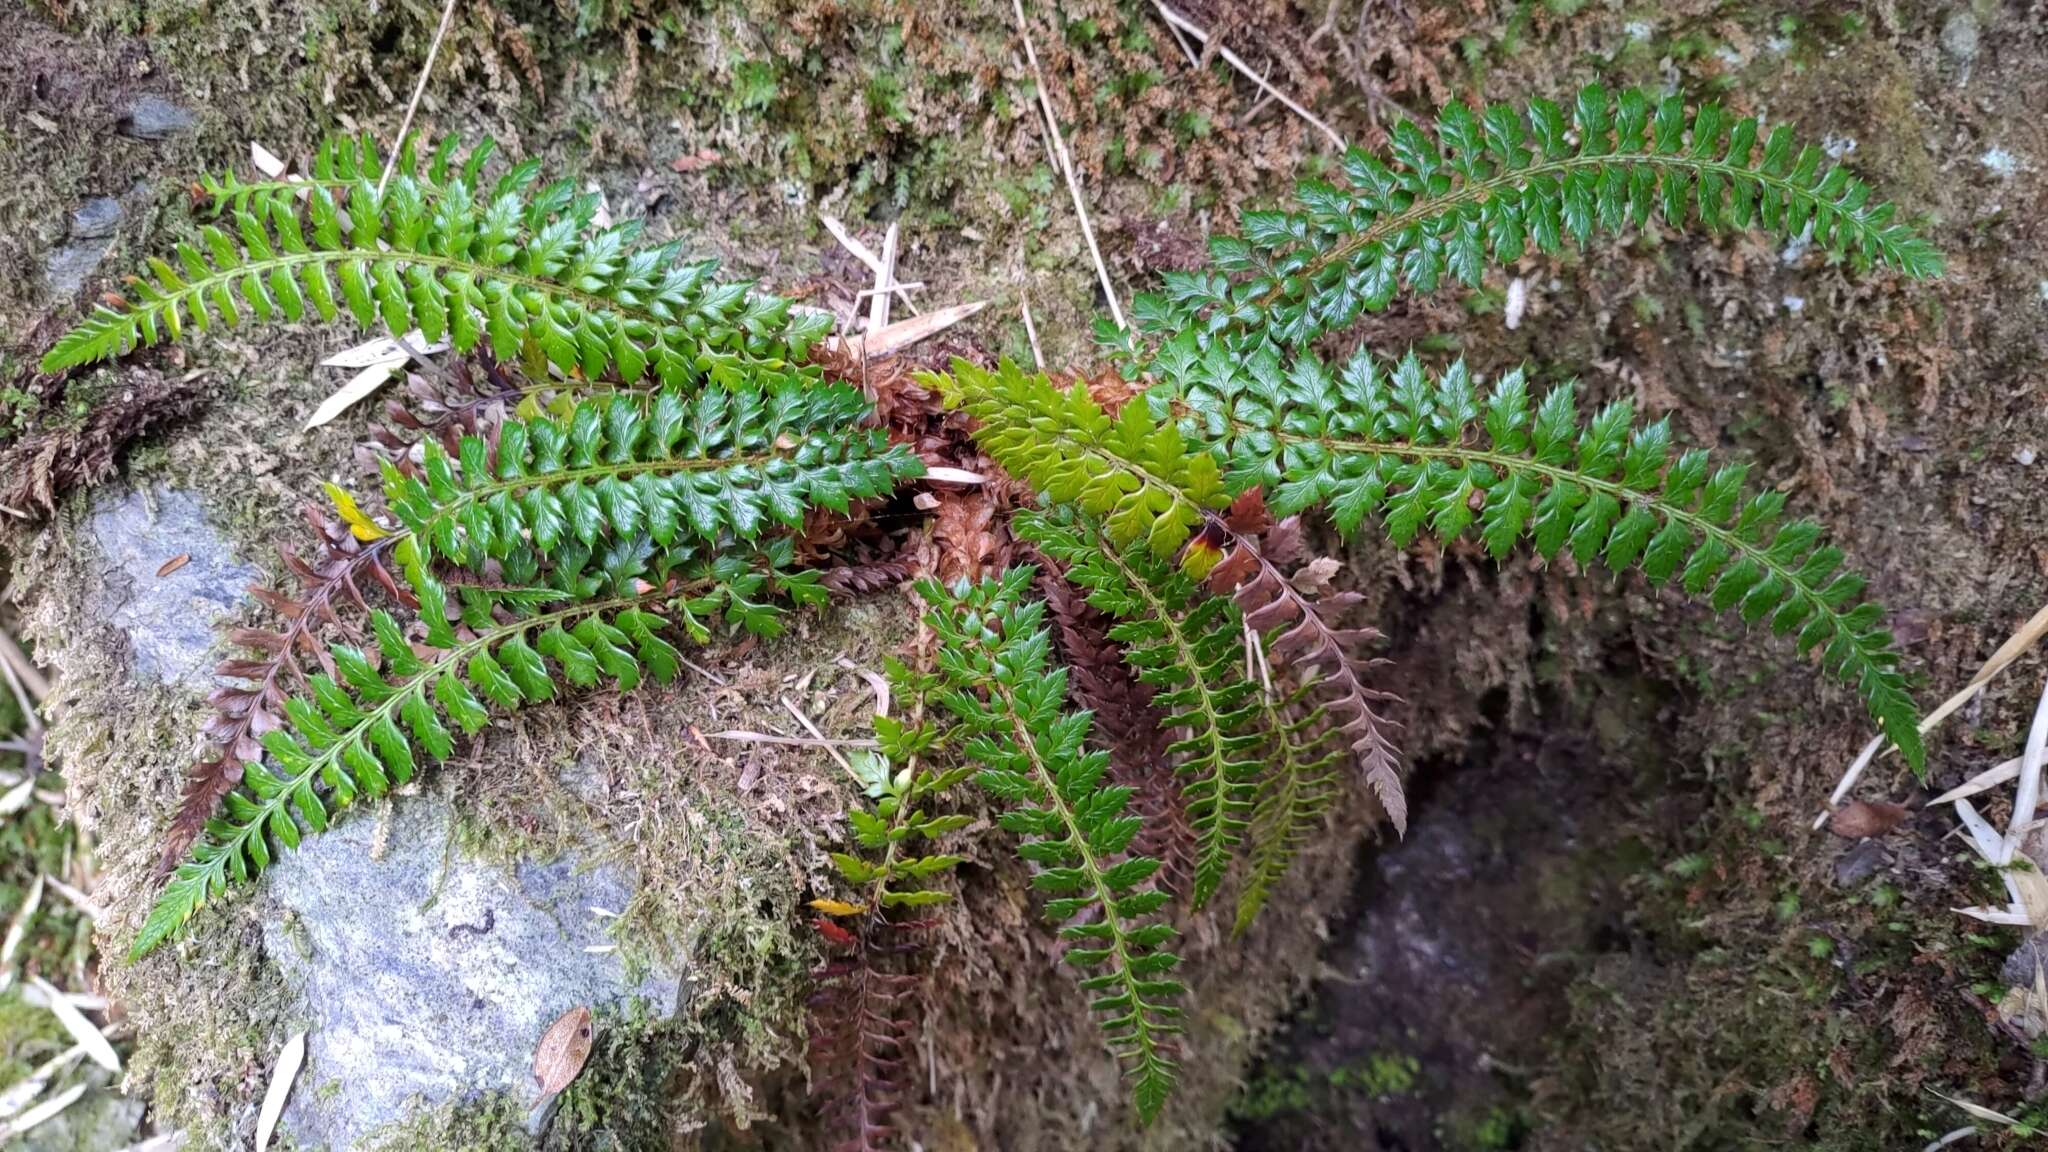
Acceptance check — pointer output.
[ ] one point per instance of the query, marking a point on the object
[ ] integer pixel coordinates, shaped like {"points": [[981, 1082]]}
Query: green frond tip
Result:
{"points": [[1439, 453], [1294, 793], [1138, 476], [456, 256], [994, 660], [1486, 186]]}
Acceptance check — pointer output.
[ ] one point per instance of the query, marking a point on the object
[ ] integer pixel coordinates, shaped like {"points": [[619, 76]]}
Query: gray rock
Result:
{"points": [[92, 235], [66, 269], [96, 219], [1859, 863], [428, 975], [1959, 36], [169, 620], [151, 117], [2018, 969]]}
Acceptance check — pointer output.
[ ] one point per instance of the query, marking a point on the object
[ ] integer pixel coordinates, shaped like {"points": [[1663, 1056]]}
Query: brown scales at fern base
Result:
{"points": [[863, 1025], [243, 713]]}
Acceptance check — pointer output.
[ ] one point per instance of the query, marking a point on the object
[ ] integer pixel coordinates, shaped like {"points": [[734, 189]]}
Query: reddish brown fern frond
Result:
{"points": [[863, 1024], [470, 396], [851, 580], [1128, 721], [242, 713], [1250, 574]]}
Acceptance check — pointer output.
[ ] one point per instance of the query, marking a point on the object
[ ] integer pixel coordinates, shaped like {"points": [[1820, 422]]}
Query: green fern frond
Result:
{"points": [[1295, 791], [1486, 186], [1445, 455], [677, 467], [900, 781], [366, 732], [1189, 647], [1133, 473], [532, 275], [994, 656]]}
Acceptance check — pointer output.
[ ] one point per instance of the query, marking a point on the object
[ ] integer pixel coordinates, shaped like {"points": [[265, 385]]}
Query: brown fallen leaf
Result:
{"points": [[563, 1049], [697, 161], [1863, 819], [173, 564]]}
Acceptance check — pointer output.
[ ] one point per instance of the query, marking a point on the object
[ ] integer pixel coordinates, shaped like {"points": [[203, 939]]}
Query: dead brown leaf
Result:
{"points": [[563, 1049], [696, 161], [1864, 819], [173, 564]]}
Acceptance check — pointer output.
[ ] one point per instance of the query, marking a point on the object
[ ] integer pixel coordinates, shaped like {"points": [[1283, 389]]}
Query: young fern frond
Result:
{"points": [[994, 659], [1190, 648], [1295, 791], [532, 274], [900, 780], [1442, 455], [865, 1011], [1485, 186], [366, 732], [674, 466], [1138, 476]]}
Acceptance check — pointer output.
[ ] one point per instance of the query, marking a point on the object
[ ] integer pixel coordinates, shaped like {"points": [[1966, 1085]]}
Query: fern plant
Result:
{"points": [[693, 439]]}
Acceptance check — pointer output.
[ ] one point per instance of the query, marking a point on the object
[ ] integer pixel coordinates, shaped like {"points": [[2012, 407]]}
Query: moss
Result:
{"points": [[493, 1122], [628, 1095], [29, 1035]]}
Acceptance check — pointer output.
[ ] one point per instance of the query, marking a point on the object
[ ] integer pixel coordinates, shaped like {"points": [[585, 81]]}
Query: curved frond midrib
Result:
{"points": [[1105, 896], [1215, 764], [1618, 489], [198, 880], [1478, 192]]}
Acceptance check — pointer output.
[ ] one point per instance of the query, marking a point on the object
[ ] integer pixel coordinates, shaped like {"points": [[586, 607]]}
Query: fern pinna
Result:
{"points": [[690, 433]]}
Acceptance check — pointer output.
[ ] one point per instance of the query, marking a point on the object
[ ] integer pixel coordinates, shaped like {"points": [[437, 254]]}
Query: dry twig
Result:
{"points": [[1180, 23], [1059, 143]]}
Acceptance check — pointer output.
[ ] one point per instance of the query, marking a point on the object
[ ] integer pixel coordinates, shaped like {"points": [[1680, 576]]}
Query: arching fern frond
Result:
{"points": [[1486, 186], [1190, 648], [675, 466], [366, 730], [1441, 454], [535, 276], [993, 658]]}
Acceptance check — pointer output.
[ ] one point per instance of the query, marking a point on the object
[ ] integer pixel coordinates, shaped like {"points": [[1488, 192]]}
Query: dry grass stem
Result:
{"points": [[1059, 144], [1181, 23]]}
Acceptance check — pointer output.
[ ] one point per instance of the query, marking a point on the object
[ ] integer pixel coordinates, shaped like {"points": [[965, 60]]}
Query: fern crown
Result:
{"points": [[660, 502]]}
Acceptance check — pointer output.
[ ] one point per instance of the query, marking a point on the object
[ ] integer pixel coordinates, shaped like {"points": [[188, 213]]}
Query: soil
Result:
{"points": [[1639, 937]]}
